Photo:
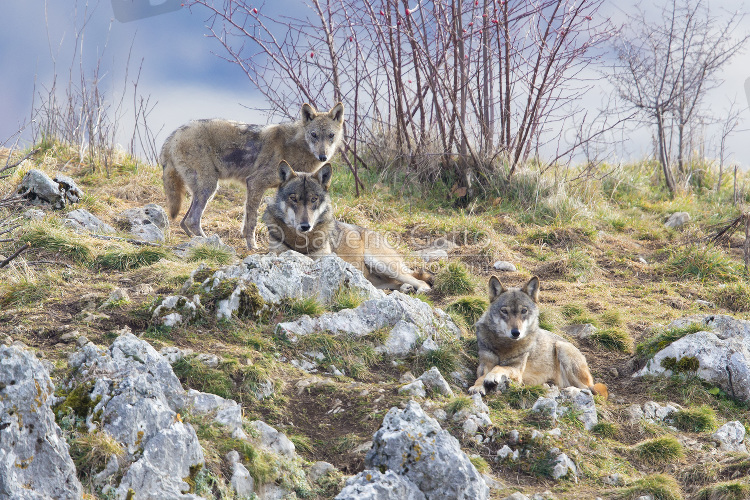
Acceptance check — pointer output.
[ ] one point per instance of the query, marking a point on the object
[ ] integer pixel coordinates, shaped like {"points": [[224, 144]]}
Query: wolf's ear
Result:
{"points": [[323, 175], [496, 288], [308, 112], [337, 112], [532, 289], [285, 172]]}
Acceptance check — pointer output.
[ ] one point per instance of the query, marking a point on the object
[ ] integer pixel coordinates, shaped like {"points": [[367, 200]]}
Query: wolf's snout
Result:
{"points": [[515, 333], [322, 157], [304, 227]]}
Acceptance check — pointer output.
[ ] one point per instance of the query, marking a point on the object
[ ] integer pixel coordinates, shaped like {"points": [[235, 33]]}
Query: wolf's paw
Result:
{"points": [[406, 288], [477, 389], [496, 381], [424, 289]]}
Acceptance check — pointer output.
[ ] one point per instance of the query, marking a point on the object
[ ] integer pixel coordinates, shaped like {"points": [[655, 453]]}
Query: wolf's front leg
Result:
{"points": [[500, 375], [254, 197]]}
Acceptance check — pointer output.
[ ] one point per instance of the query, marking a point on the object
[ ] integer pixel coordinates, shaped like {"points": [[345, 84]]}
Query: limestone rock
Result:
{"points": [[415, 389], [722, 352], [731, 436], [175, 310], [677, 220], [147, 223], [39, 189], [272, 439], [242, 482], [81, 221], [433, 380], [68, 186], [504, 266], [413, 445], [375, 485], [318, 470], [563, 466], [34, 458]]}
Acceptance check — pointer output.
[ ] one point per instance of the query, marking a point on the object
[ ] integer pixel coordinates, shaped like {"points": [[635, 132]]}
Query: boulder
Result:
{"points": [[175, 310], [394, 311], [504, 266], [677, 220], [69, 187], [81, 221], [147, 223], [34, 458], [39, 189], [272, 439], [731, 436], [722, 351], [414, 446], [375, 485], [433, 380], [415, 389]]}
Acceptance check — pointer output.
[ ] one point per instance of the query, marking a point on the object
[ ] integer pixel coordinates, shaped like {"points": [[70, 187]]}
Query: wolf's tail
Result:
{"points": [[174, 189], [425, 275], [600, 389]]}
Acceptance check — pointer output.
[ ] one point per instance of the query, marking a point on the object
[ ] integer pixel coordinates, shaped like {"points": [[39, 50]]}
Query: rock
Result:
{"points": [[39, 189], [434, 381], [492, 483], [183, 249], [272, 439], [394, 311], [677, 220], [318, 470], [173, 354], [33, 214], [34, 458], [402, 338], [242, 482], [431, 254], [406, 378], [504, 266], [224, 411], [148, 223], [413, 445], [210, 360], [705, 304], [514, 436], [69, 187], [615, 479], [415, 389], [429, 345], [507, 452], [81, 221], [730, 437], [721, 351], [175, 310], [232, 457], [583, 402], [375, 485], [517, 496], [634, 413], [563, 466], [117, 296], [583, 331], [546, 406]]}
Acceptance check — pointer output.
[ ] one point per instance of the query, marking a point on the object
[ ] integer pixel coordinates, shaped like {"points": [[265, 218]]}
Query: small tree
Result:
{"points": [[667, 66]]}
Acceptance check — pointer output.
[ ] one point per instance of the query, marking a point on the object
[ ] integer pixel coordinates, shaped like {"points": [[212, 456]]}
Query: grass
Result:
{"points": [[353, 355], [469, 308], [57, 240], [701, 263], [735, 297], [732, 490], [658, 451], [523, 396], [347, 298], [210, 253], [119, 260], [90, 451], [308, 305], [26, 291], [605, 429], [446, 358], [698, 419], [613, 339], [454, 279], [230, 380], [651, 346], [660, 486]]}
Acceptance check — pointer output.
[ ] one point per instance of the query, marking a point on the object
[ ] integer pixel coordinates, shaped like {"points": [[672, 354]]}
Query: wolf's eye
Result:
{"points": [[313, 199], [330, 136], [293, 198], [504, 310], [313, 135], [524, 310]]}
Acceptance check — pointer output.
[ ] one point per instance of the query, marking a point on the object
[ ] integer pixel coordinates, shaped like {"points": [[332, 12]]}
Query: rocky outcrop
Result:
{"points": [[721, 352], [39, 189], [375, 485], [397, 312], [414, 446], [558, 402], [34, 458], [81, 220]]}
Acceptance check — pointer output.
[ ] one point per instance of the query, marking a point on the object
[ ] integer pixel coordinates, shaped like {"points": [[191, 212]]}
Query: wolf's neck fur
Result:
{"points": [[308, 243]]}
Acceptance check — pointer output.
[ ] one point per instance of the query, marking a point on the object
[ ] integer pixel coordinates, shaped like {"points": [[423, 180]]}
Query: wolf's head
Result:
{"points": [[323, 131], [302, 199], [513, 312]]}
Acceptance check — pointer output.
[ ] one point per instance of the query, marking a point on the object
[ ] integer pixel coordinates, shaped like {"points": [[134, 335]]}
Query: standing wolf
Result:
{"points": [[512, 344], [301, 219], [199, 154]]}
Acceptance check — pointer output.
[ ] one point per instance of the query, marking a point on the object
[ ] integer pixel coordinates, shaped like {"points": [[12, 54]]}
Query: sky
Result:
{"points": [[182, 75]]}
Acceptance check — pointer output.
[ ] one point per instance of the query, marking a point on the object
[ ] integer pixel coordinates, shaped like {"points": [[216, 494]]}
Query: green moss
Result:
{"points": [[480, 464], [203, 275], [252, 304], [688, 364], [661, 450], [79, 401], [458, 404], [224, 289], [190, 479], [698, 419]]}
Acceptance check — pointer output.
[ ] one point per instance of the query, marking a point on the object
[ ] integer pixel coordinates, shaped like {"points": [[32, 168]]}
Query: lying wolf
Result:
{"points": [[301, 218], [197, 155], [511, 344]]}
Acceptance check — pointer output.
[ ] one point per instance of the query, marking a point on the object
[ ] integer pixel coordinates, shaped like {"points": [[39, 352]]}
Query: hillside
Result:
{"points": [[601, 250]]}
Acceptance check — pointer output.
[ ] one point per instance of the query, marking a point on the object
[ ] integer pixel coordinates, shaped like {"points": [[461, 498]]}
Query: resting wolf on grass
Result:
{"points": [[301, 219], [511, 344], [199, 154]]}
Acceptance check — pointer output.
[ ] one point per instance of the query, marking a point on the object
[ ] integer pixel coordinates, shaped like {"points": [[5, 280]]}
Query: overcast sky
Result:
{"points": [[181, 75]]}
